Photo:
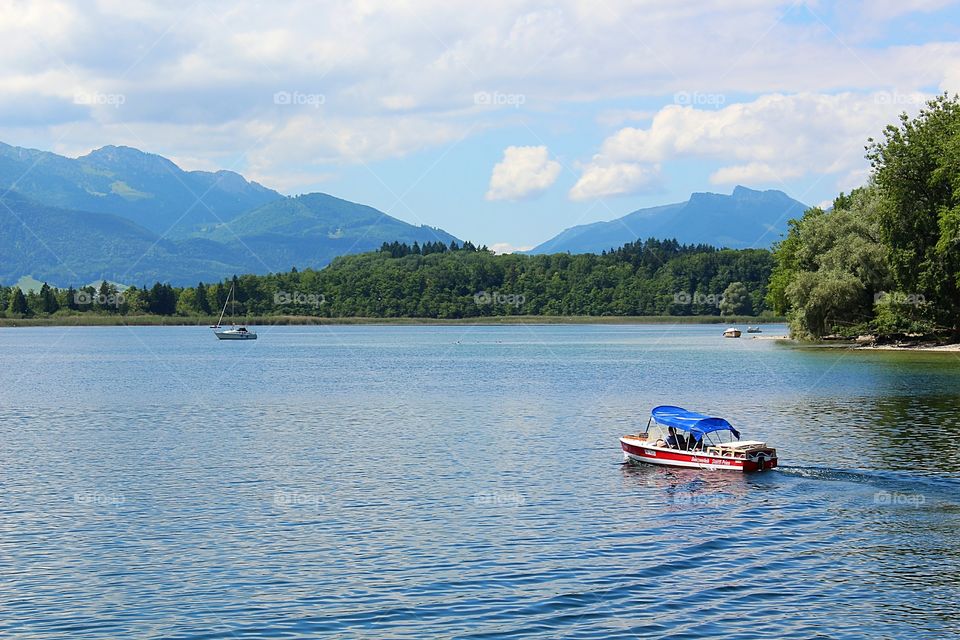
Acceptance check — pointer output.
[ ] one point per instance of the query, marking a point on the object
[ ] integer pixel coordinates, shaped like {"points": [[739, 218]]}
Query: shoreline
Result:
{"points": [[934, 348], [488, 321], [929, 347], [259, 321]]}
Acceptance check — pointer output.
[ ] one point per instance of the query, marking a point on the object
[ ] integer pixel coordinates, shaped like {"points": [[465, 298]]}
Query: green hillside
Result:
{"points": [[142, 187], [312, 230]]}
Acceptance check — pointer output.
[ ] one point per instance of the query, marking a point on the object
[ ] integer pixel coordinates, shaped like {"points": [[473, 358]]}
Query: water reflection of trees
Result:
{"points": [[872, 409], [895, 432]]}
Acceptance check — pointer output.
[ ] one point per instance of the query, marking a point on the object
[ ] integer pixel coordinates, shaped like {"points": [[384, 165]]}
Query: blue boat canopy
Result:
{"points": [[696, 424]]}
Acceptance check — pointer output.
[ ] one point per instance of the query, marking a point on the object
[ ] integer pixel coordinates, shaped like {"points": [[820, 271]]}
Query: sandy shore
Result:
{"points": [[946, 348], [931, 346]]}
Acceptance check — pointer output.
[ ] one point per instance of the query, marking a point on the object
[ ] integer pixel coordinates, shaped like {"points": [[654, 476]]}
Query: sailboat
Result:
{"points": [[234, 332]]}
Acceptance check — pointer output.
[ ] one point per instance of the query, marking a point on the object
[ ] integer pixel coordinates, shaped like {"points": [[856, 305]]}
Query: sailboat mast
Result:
{"points": [[225, 303]]}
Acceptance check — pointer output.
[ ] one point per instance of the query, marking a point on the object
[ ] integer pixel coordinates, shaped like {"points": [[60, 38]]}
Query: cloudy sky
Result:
{"points": [[502, 122]]}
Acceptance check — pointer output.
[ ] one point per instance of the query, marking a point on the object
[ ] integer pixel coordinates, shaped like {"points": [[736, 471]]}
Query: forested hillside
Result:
{"points": [[457, 281]]}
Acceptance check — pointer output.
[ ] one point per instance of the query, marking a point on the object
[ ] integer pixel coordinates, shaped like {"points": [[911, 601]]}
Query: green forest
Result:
{"points": [[652, 277], [884, 260]]}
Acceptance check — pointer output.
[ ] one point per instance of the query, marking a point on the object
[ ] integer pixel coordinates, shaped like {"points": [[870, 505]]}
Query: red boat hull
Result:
{"points": [[633, 451]]}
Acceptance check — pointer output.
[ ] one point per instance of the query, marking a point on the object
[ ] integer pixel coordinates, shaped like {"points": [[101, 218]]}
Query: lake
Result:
{"points": [[415, 482]]}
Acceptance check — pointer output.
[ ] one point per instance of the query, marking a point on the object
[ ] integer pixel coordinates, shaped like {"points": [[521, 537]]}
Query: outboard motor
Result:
{"points": [[761, 462]]}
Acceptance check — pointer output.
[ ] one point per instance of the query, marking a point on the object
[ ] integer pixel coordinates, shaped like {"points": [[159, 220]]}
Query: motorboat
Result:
{"points": [[754, 330], [732, 332], [675, 437], [234, 332]]}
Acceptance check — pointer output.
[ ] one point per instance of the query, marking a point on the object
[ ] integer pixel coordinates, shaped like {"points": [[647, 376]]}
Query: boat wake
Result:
{"points": [[885, 480]]}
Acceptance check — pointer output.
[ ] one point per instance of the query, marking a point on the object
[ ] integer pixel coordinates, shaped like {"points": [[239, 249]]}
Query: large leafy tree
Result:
{"points": [[18, 303], [203, 302], [736, 300], [831, 267], [48, 299], [916, 167], [162, 300]]}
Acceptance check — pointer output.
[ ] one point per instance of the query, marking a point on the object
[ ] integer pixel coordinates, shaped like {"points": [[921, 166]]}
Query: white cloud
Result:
{"points": [[853, 179], [524, 172], [206, 75], [616, 117], [619, 178], [399, 102], [769, 140], [951, 77], [506, 247], [753, 173], [889, 9]]}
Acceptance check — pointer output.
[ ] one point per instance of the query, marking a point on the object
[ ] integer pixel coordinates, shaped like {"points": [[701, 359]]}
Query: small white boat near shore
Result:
{"points": [[234, 332], [732, 332]]}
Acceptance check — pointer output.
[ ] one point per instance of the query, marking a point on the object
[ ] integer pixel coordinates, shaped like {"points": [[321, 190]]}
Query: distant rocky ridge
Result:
{"points": [[744, 219]]}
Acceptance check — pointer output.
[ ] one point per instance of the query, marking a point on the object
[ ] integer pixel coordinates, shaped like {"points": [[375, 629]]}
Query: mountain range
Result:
{"points": [[131, 217], [127, 216], [744, 219]]}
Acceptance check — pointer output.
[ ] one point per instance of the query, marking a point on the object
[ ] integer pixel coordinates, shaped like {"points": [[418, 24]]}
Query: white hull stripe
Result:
{"points": [[683, 463]]}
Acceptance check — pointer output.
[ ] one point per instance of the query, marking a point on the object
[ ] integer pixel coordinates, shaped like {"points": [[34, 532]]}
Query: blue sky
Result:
{"points": [[503, 123]]}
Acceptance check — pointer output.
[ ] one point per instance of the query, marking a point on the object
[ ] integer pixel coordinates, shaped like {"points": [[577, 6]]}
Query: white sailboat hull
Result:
{"points": [[233, 334]]}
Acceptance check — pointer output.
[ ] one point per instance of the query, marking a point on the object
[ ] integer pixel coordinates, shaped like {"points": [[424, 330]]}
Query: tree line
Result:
{"points": [[884, 260], [433, 280]]}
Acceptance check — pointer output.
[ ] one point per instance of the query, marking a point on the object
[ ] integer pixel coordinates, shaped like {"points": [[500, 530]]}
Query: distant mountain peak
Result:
{"points": [[745, 218], [706, 196], [146, 188], [113, 155], [117, 149], [115, 152], [741, 191]]}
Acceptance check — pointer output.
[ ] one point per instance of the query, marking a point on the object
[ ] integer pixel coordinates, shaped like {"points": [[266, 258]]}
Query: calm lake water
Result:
{"points": [[418, 482]]}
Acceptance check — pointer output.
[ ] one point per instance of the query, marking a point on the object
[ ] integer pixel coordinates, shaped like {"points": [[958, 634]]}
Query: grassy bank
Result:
{"points": [[92, 320]]}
